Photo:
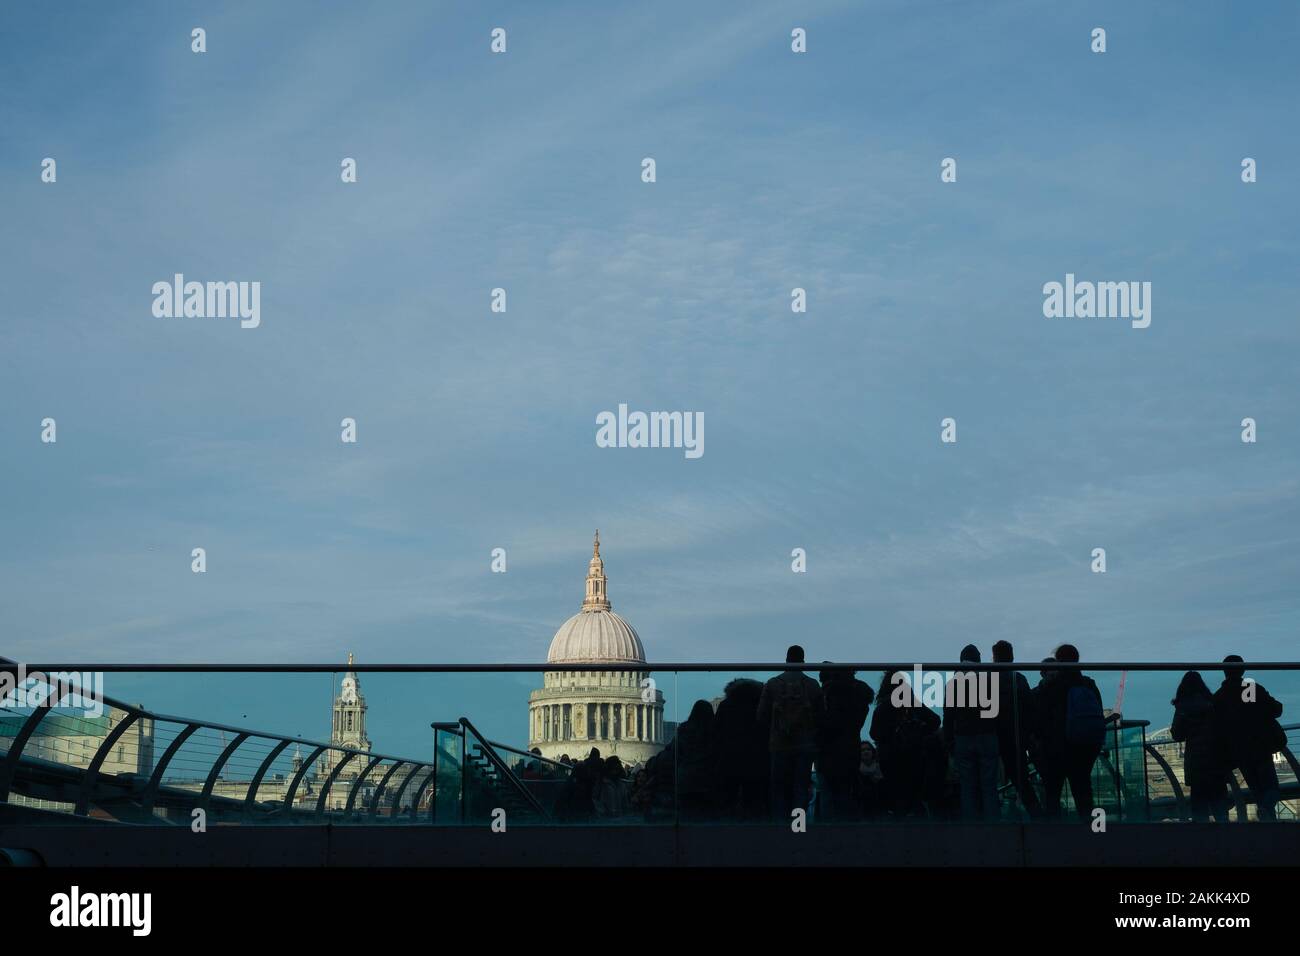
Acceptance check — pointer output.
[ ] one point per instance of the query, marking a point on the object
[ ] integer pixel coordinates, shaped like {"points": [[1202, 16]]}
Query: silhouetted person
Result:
{"points": [[611, 795], [790, 708], [1205, 759], [589, 773], [575, 801], [653, 790], [1072, 725], [1015, 722], [870, 789], [847, 702], [1037, 750], [907, 736], [1246, 715], [697, 782], [740, 745], [973, 741]]}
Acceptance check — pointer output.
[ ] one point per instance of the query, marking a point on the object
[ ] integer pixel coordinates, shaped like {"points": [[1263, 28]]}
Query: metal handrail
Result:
{"points": [[636, 666], [485, 747], [211, 725], [149, 786], [456, 728], [151, 783]]}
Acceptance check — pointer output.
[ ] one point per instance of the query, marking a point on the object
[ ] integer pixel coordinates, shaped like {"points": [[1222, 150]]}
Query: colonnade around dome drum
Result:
{"points": [[594, 708]]}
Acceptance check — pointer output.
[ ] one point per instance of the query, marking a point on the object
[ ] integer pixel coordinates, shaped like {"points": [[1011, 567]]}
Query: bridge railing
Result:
{"points": [[97, 756], [136, 764]]}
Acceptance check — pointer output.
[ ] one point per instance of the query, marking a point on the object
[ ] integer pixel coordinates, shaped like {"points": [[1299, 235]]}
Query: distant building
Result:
{"points": [[66, 736]]}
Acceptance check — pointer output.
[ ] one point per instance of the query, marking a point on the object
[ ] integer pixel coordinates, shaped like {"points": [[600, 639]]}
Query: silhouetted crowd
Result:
{"points": [[753, 757]]}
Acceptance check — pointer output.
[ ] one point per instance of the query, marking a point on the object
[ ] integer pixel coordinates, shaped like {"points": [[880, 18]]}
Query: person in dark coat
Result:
{"points": [[741, 752], [1015, 722], [575, 801], [907, 736], [790, 709], [972, 739], [840, 739], [1205, 760], [697, 784], [1072, 731], [1246, 715]]}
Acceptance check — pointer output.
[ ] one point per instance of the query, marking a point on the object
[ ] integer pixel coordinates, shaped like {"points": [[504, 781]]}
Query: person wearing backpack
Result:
{"points": [[1246, 715], [1072, 731], [791, 707]]}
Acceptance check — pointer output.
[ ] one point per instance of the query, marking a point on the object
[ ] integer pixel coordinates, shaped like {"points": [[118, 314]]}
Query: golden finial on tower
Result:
{"points": [[349, 658], [595, 548]]}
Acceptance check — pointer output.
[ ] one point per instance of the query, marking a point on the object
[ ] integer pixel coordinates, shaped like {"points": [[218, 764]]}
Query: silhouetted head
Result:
{"points": [[594, 755], [1044, 674], [1234, 673], [701, 713], [794, 655], [1067, 654], [742, 685], [564, 758], [1002, 652], [614, 768], [970, 654], [1192, 685], [888, 684]]}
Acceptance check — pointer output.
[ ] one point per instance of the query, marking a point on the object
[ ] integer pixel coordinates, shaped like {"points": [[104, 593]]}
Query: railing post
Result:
{"points": [[1179, 801], [88, 780], [297, 777], [352, 794], [250, 798], [406, 782], [329, 782], [217, 767], [374, 799], [415, 798], [433, 800], [150, 793]]}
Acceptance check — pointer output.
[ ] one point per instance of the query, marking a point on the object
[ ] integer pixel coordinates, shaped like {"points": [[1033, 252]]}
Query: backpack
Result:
{"points": [[793, 721], [1085, 725]]}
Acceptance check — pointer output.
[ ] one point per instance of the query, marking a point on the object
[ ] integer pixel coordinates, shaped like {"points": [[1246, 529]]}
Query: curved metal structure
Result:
{"points": [[107, 767]]}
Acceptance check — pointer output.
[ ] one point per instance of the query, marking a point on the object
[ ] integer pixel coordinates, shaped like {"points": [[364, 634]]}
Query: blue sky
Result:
{"points": [[476, 430]]}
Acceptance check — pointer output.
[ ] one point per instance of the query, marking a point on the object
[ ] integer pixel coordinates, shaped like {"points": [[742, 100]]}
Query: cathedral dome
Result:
{"points": [[595, 635]]}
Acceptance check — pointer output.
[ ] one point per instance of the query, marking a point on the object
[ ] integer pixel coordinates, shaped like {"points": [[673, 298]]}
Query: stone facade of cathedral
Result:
{"points": [[620, 713]]}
